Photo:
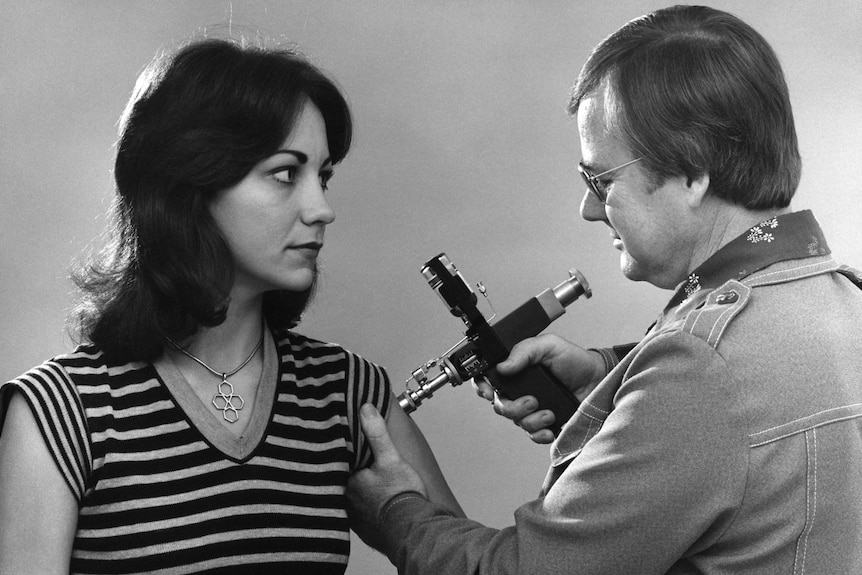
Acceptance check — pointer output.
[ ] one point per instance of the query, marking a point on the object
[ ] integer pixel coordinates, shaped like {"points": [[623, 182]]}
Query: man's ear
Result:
{"points": [[696, 189]]}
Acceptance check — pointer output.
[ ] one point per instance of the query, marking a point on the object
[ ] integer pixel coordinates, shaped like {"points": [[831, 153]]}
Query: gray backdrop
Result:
{"points": [[462, 145]]}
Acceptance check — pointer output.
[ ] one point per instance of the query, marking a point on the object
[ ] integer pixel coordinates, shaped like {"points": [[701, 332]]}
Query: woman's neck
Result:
{"points": [[224, 346]]}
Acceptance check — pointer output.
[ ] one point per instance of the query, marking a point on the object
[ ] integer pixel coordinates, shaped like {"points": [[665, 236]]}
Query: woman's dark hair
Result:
{"points": [[695, 91], [198, 122]]}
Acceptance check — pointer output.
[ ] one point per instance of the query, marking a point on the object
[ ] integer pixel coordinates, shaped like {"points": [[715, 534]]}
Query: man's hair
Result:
{"points": [[697, 91], [197, 123]]}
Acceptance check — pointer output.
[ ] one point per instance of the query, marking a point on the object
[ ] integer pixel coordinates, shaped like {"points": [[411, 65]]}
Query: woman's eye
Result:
{"points": [[286, 175], [324, 179]]}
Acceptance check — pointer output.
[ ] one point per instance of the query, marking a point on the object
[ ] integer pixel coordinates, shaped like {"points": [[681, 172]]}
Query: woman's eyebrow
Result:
{"points": [[300, 156], [303, 158]]}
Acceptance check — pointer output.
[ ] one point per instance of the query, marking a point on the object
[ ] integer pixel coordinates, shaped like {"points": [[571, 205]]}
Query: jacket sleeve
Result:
{"points": [[659, 478], [613, 355]]}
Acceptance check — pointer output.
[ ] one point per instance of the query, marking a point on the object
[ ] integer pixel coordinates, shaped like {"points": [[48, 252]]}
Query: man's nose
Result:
{"points": [[592, 209]]}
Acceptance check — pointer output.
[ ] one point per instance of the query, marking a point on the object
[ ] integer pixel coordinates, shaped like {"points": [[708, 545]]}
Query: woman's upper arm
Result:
{"points": [[413, 447], [38, 512]]}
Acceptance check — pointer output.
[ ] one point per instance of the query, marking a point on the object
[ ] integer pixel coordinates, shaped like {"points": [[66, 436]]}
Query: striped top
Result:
{"points": [[164, 488]]}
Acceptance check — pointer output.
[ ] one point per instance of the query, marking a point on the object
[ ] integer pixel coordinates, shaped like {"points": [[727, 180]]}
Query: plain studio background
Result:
{"points": [[462, 145]]}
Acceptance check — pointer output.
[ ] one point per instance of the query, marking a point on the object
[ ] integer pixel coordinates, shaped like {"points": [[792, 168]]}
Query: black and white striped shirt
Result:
{"points": [[163, 488]]}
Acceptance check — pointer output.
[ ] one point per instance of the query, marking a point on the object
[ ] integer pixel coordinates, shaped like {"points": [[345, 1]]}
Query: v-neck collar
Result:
{"points": [[238, 448]]}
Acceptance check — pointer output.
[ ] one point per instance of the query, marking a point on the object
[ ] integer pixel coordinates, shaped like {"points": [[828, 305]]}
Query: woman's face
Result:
{"points": [[274, 219]]}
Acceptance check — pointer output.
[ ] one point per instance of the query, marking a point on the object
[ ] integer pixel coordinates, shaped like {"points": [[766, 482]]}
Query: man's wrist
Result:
{"points": [[397, 519], [394, 501], [605, 362]]}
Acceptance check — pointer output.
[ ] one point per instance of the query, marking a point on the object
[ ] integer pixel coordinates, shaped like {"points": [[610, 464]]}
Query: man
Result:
{"points": [[729, 440]]}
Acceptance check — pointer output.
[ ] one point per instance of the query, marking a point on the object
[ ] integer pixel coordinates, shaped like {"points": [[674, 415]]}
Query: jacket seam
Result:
{"points": [[810, 503], [752, 436], [720, 324], [803, 430], [793, 273]]}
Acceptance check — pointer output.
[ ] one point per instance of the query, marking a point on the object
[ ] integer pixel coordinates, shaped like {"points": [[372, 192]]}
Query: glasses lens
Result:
{"points": [[591, 185]]}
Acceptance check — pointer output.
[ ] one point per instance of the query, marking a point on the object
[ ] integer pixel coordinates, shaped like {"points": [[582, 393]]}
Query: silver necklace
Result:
{"points": [[224, 399]]}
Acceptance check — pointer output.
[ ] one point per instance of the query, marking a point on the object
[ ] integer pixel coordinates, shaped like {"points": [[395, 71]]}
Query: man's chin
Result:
{"points": [[631, 270]]}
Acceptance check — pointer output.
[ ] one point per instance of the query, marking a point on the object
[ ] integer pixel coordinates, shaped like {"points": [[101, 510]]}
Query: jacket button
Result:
{"points": [[727, 297]]}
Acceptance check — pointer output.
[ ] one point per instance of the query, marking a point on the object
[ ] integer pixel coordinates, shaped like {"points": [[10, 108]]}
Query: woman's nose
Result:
{"points": [[317, 208]]}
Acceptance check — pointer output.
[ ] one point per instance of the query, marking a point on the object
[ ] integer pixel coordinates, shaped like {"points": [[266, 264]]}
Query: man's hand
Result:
{"points": [[579, 369], [368, 490]]}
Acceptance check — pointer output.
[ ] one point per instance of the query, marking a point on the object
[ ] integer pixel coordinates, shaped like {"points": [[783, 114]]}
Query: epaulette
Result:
{"points": [[709, 321], [852, 274]]}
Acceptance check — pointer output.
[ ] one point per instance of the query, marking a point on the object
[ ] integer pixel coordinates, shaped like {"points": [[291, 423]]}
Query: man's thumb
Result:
{"points": [[374, 427], [520, 356]]}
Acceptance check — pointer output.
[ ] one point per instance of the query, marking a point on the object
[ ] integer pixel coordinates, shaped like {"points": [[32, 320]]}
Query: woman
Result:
{"points": [[193, 430]]}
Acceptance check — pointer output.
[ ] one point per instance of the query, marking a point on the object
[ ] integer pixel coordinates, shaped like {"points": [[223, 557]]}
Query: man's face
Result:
{"points": [[653, 228]]}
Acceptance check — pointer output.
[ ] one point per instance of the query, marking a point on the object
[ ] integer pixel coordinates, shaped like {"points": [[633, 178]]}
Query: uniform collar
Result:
{"points": [[791, 236]]}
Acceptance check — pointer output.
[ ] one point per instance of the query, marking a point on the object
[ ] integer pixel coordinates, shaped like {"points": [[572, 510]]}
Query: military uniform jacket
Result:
{"points": [[729, 440]]}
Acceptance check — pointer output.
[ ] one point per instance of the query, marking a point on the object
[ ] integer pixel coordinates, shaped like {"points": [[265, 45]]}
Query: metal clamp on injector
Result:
{"points": [[486, 345]]}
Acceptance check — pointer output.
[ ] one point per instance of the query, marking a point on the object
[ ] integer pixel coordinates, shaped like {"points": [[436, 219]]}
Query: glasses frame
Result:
{"points": [[593, 181]]}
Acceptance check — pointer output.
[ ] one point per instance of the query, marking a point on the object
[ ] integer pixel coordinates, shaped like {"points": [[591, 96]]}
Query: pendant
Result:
{"points": [[223, 401]]}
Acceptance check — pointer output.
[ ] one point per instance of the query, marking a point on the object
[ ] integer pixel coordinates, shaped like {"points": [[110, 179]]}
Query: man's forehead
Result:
{"points": [[591, 113], [596, 138]]}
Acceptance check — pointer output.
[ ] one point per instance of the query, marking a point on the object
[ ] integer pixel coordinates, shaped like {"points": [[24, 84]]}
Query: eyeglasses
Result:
{"points": [[593, 183]]}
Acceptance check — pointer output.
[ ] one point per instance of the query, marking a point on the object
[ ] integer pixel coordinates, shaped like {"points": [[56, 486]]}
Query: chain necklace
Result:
{"points": [[224, 399]]}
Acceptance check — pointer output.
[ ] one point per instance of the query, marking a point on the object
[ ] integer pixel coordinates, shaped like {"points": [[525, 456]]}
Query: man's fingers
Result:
{"points": [[482, 388], [537, 421], [517, 409], [374, 427], [542, 437]]}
